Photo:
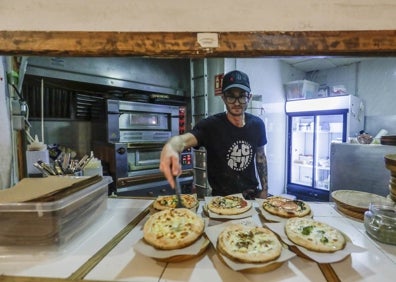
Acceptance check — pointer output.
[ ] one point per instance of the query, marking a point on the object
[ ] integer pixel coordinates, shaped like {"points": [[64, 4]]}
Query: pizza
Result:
{"points": [[314, 235], [173, 229], [228, 205], [249, 244], [285, 207], [170, 202]]}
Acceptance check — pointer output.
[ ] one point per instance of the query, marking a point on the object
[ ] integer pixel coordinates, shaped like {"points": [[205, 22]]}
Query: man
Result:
{"points": [[234, 142]]}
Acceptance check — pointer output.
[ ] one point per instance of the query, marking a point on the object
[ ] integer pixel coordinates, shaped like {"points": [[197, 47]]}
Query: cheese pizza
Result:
{"points": [[170, 202], [314, 235], [285, 207], [249, 244], [229, 205], [173, 229]]}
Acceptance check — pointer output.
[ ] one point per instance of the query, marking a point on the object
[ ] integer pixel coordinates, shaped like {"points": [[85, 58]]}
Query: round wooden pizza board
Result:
{"points": [[268, 267], [355, 201], [269, 217], [180, 258], [295, 248], [350, 213]]}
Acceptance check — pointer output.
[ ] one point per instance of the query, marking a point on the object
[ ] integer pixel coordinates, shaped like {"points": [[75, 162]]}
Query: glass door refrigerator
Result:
{"points": [[313, 125]]}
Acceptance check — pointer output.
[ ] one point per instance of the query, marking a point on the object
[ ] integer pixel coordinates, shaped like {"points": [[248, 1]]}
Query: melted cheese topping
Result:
{"points": [[188, 201], [318, 234], [168, 201], [249, 240], [289, 206], [173, 228], [229, 202], [172, 224]]}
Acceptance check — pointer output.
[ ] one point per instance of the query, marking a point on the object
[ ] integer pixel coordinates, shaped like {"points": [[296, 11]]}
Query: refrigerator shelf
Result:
{"points": [[311, 166]]}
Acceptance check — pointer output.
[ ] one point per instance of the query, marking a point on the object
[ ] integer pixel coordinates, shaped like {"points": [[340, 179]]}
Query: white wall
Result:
{"points": [[377, 86], [374, 81], [203, 15], [267, 76]]}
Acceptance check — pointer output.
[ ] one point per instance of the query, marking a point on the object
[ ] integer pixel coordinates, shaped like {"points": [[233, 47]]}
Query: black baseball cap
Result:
{"points": [[236, 79]]}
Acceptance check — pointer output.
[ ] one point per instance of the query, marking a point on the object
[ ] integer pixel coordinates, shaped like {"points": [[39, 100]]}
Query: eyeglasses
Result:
{"points": [[241, 99]]}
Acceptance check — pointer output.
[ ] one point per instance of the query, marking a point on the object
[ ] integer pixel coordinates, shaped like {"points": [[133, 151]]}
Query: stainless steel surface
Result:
{"points": [[154, 185], [167, 76], [127, 121], [128, 138], [360, 167], [144, 122]]}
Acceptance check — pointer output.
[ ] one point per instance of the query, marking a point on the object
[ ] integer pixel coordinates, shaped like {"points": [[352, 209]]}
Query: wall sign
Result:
{"points": [[218, 82]]}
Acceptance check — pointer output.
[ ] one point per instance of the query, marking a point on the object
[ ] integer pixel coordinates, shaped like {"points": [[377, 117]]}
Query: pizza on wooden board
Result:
{"points": [[249, 244], [229, 205], [314, 235], [285, 207], [170, 202], [173, 229]]}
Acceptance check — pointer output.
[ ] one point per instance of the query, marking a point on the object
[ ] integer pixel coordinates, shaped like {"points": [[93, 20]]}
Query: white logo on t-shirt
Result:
{"points": [[239, 155]]}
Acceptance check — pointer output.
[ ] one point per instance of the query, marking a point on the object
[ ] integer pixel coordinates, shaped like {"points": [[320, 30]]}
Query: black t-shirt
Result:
{"points": [[230, 152]]}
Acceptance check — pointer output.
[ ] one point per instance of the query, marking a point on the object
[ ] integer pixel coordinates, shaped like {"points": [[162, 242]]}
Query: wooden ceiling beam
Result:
{"points": [[185, 44]]}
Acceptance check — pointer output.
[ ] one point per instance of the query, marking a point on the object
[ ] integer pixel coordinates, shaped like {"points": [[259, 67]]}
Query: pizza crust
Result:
{"points": [[173, 229], [170, 202], [286, 208], [249, 244], [314, 235], [228, 205]]}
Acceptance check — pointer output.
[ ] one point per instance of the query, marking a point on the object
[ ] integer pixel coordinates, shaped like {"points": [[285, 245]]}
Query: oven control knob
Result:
{"points": [[121, 150]]}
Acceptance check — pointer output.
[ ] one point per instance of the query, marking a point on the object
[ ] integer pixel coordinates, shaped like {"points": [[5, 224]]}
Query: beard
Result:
{"points": [[236, 110]]}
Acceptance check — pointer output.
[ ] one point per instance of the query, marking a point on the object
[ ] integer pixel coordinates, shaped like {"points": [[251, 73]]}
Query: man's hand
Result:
{"points": [[170, 154], [263, 194], [169, 163]]}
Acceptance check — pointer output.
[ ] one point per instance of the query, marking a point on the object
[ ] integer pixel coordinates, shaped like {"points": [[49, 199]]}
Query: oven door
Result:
{"points": [[154, 185], [143, 158], [147, 123]]}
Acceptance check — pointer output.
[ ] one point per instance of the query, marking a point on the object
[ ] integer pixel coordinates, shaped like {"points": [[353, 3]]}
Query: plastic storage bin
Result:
{"points": [[52, 223], [301, 89]]}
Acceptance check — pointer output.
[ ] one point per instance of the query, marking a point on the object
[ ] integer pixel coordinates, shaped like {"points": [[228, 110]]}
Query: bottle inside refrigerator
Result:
{"points": [[313, 125]]}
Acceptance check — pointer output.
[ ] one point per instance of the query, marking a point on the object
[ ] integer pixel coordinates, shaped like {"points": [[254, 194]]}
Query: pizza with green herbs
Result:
{"points": [[229, 205], [170, 202], [249, 244], [314, 235]]}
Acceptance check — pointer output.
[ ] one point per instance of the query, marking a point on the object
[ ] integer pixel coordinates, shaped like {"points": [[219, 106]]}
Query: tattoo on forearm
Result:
{"points": [[262, 170]]}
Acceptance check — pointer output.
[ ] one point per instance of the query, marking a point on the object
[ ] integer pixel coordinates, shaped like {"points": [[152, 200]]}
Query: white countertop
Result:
{"points": [[378, 263], [63, 262]]}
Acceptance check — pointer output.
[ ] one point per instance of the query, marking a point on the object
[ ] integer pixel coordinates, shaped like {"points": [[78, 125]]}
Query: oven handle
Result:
{"points": [[151, 178], [144, 146], [154, 184]]}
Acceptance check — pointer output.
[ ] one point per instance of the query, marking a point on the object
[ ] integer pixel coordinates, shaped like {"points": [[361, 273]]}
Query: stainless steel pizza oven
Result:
{"points": [[129, 137]]}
